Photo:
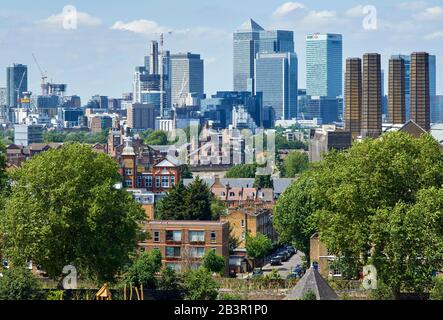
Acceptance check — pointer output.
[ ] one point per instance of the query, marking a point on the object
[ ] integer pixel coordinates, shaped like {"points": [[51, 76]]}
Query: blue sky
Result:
{"points": [[112, 36]]}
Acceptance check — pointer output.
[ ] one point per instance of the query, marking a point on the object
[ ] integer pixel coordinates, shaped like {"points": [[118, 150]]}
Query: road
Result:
{"points": [[285, 268]]}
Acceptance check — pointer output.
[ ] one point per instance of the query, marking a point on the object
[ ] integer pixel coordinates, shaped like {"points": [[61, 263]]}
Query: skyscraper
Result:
{"points": [[251, 39], [245, 47], [324, 54], [432, 75], [371, 119], [153, 58], [187, 76], [420, 97], [353, 96], [276, 78], [17, 83], [396, 95]]}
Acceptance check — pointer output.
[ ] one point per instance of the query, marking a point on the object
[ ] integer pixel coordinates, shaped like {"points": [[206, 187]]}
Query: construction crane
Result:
{"points": [[162, 40], [44, 75]]}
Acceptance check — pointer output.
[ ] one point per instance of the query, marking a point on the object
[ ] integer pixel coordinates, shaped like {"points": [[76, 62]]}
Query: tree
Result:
{"points": [[292, 213], [199, 285], [186, 172], [157, 138], [19, 283], [173, 206], [295, 163], [242, 171], [257, 247], [214, 262], [281, 143], [169, 280], [198, 201], [144, 268], [64, 210], [369, 202], [263, 182], [80, 137], [437, 290], [218, 208]]}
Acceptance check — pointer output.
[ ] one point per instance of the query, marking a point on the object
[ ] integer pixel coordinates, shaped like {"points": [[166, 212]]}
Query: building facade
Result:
{"points": [[324, 56], [397, 92], [420, 94], [17, 83], [141, 116], [371, 115], [353, 96]]}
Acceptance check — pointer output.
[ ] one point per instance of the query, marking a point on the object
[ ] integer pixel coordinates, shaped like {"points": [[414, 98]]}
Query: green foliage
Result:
{"points": [[55, 295], [7, 136], [231, 297], [295, 163], [186, 172], [214, 262], [169, 280], [383, 292], [292, 213], [242, 171], [80, 137], [199, 285], [19, 283], [273, 275], [258, 247], [380, 202], [349, 269], [64, 210], [282, 143], [437, 291], [310, 295], [157, 138], [233, 240], [263, 182], [218, 208], [144, 268], [188, 203]]}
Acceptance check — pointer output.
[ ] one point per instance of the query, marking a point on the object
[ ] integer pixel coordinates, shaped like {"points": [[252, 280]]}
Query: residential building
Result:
{"points": [[353, 96], [371, 117], [146, 200], [24, 134], [187, 76], [100, 123], [183, 244], [324, 56], [17, 84], [327, 138], [397, 87], [420, 94], [141, 116], [276, 76]]}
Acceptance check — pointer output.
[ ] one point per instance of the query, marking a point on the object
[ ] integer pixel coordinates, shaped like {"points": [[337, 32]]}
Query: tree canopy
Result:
{"points": [[198, 284], [144, 268], [64, 210], [80, 137], [378, 203], [214, 262], [295, 163], [19, 284], [257, 247], [242, 171], [157, 138]]}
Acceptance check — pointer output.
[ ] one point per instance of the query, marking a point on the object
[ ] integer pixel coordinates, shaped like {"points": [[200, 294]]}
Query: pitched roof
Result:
{"points": [[312, 281], [250, 25]]}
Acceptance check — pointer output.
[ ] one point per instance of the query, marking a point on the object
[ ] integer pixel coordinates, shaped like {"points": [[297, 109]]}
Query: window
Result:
{"points": [[197, 252], [231, 194], [196, 236], [139, 182], [243, 235], [243, 223], [128, 183], [156, 236], [223, 194], [157, 182], [165, 182], [213, 236], [148, 181], [173, 252], [172, 181], [174, 266], [128, 172], [175, 236]]}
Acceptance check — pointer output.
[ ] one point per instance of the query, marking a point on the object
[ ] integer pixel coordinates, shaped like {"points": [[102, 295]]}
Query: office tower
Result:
{"points": [[17, 83], [396, 94], [324, 54], [276, 78], [165, 85], [432, 75], [153, 58], [371, 124], [245, 48], [141, 116], [323, 108], [251, 39], [25, 134], [353, 96], [420, 98], [187, 76]]}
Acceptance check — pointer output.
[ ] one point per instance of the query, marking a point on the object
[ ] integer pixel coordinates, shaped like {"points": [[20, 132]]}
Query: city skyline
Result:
{"points": [[99, 57]]}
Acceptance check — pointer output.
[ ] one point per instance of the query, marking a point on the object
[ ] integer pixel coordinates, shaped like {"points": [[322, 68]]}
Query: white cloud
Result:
{"points": [[320, 17], [434, 35], [142, 26], [83, 19], [433, 13], [288, 8], [413, 5], [357, 11]]}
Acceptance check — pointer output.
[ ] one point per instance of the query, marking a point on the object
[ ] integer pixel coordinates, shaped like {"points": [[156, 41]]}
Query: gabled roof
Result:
{"points": [[413, 129], [312, 281], [169, 162], [250, 25]]}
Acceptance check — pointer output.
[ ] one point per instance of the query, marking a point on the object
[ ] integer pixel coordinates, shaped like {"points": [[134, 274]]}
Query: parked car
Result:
{"points": [[275, 261], [285, 256], [291, 250]]}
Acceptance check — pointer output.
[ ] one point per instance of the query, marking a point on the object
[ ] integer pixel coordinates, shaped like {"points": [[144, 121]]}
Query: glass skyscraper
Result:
{"points": [[187, 76], [324, 64], [251, 39], [276, 78], [17, 83]]}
